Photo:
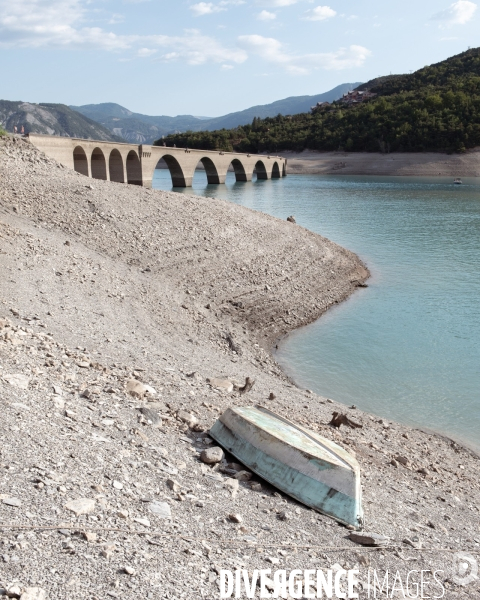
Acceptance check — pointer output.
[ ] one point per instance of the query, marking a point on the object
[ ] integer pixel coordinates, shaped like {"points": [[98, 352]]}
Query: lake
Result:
{"points": [[406, 348]]}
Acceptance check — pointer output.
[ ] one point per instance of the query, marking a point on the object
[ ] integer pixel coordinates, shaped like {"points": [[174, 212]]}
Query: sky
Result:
{"points": [[209, 58]]}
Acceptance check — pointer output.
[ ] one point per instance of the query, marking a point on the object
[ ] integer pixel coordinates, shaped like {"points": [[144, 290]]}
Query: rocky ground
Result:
{"points": [[425, 164], [117, 304]]}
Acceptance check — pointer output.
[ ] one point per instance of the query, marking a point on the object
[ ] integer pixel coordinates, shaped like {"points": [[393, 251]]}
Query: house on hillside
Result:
{"points": [[355, 97]]}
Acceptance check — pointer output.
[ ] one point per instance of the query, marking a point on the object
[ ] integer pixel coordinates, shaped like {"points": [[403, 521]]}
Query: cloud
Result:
{"points": [[58, 23], [271, 50], [266, 16], [227, 67], [277, 3], [320, 13], [205, 8], [198, 49], [116, 18], [458, 13], [146, 52]]}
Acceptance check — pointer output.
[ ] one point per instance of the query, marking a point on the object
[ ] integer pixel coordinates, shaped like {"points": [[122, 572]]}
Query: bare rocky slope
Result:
{"points": [[52, 119], [104, 285]]}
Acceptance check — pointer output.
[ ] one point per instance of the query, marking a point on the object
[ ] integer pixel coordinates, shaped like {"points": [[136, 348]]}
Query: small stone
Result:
{"points": [[368, 539], [150, 415], [273, 559], [16, 502], [213, 455], [255, 486], [123, 514], [232, 484], [82, 506], [33, 593], [291, 219], [284, 515], [235, 518], [83, 364], [243, 476], [160, 509], [142, 521], [118, 485], [187, 418], [173, 485], [221, 383], [394, 462], [90, 536], [14, 591], [129, 570], [138, 389], [17, 380], [402, 460], [423, 471]]}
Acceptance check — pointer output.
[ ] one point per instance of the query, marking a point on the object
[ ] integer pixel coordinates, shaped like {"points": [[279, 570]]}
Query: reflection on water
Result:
{"points": [[407, 347]]}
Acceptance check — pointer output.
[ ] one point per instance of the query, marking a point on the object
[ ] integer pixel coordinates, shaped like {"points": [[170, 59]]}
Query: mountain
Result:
{"points": [[51, 119], [288, 106], [144, 129], [135, 127], [437, 108]]}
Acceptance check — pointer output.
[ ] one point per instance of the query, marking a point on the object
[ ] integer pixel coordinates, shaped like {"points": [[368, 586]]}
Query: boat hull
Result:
{"points": [[307, 467]]}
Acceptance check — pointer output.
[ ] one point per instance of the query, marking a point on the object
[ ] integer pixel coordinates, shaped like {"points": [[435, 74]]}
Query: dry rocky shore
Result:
{"points": [[120, 307]]}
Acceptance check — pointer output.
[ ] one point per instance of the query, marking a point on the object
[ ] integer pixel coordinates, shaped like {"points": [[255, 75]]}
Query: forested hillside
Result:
{"points": [[434, 109]]}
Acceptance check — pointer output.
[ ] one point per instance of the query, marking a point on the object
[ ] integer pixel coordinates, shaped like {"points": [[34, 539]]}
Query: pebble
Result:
{"points": [[235, 518], [187, 418], [220, 384], [210, 456], [129, 570], [118, 485], [150, 415], [16, 502], [33, 593], [160, 509], [82, 506], [142, 521], [17, 380], [368, 539]]}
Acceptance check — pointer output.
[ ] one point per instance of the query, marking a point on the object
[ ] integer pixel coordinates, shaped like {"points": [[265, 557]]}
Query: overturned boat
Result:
{"points": [[302, 464]]}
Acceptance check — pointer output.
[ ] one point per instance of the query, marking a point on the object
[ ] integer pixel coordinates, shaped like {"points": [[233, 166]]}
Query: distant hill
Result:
{"points": [[143, 129], [51, 119], [437, 108]]}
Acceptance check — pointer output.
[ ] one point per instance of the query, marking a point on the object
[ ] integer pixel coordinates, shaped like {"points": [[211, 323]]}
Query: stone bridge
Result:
{"points": [[135, 164]]}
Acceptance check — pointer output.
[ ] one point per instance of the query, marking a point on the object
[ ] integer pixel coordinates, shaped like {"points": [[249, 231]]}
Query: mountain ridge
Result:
{"points": [[145, 129]]}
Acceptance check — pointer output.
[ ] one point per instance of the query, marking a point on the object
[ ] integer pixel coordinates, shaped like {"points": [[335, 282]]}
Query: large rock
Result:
{"points": [[160, 509]]}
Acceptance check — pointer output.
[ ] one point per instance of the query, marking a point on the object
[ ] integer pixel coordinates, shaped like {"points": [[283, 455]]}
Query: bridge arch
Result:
{"points": [[99, 165], [80, 161], [134, 168], [210, 170], [240, 173], [275, 171], [261, 170], [176, 171], [115, 166]]}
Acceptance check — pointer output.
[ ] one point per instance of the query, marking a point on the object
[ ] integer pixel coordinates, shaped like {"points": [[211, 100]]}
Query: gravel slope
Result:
{"points": [[103, 284]]}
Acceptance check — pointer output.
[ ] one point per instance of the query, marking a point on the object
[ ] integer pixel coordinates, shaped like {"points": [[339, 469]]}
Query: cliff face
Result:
{"points": [[51, 119]]}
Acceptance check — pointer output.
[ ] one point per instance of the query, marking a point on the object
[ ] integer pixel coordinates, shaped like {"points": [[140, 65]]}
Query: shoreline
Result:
{"points": [[426, 164], [106, 283]]}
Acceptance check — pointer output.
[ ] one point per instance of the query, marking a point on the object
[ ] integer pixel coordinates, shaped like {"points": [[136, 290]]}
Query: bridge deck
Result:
{"points": [[135, 164]]}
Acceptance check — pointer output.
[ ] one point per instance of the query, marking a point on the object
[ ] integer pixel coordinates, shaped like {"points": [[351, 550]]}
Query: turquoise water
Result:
{"points": [[407, 347]]}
